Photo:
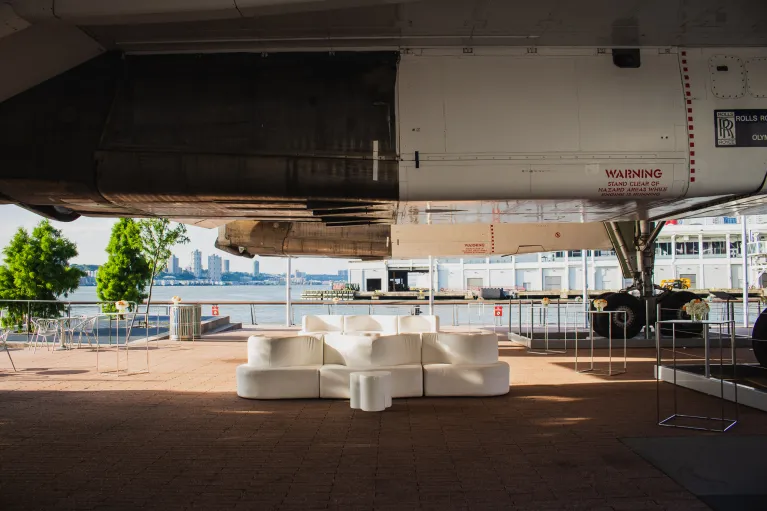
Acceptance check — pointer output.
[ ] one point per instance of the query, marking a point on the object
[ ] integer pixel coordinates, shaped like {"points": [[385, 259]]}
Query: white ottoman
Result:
{"points": [[370, 391]]}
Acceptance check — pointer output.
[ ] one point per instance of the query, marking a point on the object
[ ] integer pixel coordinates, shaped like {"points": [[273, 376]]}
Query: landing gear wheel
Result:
{"points": [[759, 339], [635, 316], [671, 308]]}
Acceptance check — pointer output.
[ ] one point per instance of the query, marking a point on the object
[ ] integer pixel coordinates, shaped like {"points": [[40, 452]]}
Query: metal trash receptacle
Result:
{"points": [[185, 322]]}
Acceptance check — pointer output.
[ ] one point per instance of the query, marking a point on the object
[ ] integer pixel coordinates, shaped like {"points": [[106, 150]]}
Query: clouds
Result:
{"points": [[92, 235]]}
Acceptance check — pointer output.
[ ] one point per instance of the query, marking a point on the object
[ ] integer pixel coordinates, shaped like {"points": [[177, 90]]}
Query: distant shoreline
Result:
{"points": [[228, 284]]}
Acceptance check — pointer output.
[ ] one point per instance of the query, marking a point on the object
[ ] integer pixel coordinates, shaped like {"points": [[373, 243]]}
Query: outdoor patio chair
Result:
{"points": [[85, 327], [68, 328], [45, 328], [4, 344]]}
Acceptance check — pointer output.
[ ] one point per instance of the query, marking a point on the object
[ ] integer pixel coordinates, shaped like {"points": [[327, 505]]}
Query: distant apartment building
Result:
{"points": [[214, 268], [256, 271], [173, 267], [226, 266], [197, 264]]}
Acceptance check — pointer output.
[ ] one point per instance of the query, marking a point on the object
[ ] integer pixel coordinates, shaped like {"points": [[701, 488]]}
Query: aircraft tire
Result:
{"points": [[635, 316]]}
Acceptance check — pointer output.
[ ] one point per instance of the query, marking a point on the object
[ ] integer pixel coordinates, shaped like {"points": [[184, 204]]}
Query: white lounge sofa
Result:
{"points": [[281, 368], [463, 365], [422, 361], [400, 354]]}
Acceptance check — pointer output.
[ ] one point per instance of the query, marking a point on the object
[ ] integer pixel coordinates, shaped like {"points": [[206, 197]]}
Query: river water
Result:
{"points": [[477, 313]]}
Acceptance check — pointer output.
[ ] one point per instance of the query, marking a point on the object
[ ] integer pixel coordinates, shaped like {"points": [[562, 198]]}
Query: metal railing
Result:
{"points": [[52, 309], [516, 315]]}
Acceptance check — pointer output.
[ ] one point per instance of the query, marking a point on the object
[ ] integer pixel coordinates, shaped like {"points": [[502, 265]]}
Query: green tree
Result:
{"points": [[126, 273], [36, 267], [158, 237]]}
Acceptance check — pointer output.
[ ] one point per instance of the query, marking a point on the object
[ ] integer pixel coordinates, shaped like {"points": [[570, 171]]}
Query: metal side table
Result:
{"points": [[126, 318], [725, 330], [543, 314], [590, 317]]}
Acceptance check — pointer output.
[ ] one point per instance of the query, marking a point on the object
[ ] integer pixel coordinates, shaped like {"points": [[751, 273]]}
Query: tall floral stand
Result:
{"points": [[715, 385], [611, 369]]}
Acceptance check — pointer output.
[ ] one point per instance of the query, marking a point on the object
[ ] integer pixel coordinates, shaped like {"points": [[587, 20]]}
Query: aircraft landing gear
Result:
{"points": [[634, 244]]}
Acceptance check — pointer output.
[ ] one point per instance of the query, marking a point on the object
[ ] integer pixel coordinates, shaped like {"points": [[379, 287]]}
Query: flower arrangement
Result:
{"points": [[697, 309], [175, 300], [121, 306], [546, 302], [600, 304]]}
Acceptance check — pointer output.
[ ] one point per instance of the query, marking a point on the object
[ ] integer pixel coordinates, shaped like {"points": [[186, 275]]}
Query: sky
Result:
{"points": [[92, 235]]}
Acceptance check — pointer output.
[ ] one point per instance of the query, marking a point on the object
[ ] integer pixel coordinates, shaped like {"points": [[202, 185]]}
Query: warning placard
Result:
{"points": [[633, 182], [475, 248]]}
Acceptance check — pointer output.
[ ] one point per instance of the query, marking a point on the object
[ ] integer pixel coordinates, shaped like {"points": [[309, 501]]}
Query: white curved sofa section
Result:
{"points": [[373, 324], [399, 354], [281, 368], [463, 365], [376, 324], [417, 324], [321, 324]]}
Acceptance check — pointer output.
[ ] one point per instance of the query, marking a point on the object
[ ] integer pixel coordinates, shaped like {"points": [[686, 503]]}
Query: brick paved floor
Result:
{"points": [[179, 438]]}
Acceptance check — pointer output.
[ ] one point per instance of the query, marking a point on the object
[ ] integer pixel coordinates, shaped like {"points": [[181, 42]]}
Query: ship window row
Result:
{"points": [[709, 248], [691, 248]]}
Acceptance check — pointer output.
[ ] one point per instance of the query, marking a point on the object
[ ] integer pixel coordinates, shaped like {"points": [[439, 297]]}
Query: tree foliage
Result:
{"points": [[158, 237], [36, 267], [126, 273]]}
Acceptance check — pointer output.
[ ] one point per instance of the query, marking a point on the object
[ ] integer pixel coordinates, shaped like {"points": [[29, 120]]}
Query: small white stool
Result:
{"points": [[370, 391]]}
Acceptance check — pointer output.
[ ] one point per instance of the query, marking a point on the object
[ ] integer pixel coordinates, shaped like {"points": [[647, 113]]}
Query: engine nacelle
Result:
{"points": [[250, 238]]}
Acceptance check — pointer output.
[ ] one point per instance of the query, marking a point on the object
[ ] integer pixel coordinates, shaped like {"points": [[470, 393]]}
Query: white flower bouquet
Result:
{"points": [[600, 304], [121, 306], [697, 309], [176, 300]]}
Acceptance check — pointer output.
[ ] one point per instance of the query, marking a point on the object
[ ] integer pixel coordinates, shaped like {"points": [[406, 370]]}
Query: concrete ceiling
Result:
{"points": [[457, 22]]}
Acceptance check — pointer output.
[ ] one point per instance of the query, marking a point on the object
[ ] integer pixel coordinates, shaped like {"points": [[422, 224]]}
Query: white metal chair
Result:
{"points": [[45, 328], [70, 327], [86, 327], [4, 344]]}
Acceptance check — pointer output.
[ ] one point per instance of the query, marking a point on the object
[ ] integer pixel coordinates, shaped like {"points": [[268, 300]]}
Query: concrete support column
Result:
{"points": [[729, 260], [288, 320], [514, 271], [431, 285], [593, 282], [585, 270], [744, 254], [702, 279], [673, 255]]}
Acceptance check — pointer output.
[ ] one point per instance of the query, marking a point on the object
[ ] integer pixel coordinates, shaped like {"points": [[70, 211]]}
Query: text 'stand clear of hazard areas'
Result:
{"points": [[498, 311], [215, 310]]}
